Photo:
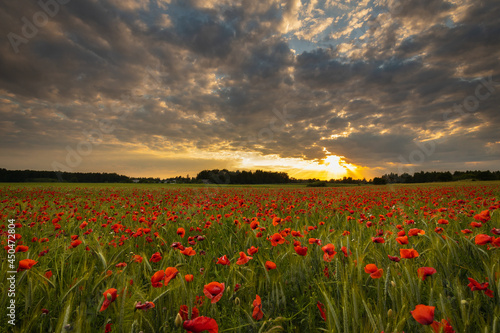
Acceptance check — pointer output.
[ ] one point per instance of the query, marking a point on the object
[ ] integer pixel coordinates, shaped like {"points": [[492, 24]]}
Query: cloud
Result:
{"points": [[189, 80]]}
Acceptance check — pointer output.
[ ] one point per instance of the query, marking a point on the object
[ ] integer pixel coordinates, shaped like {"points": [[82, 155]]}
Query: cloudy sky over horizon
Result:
{"points": [[316, 88]]}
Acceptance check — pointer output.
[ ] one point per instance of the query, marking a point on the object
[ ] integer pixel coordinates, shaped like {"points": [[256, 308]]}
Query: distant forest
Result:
{"points": [[224, 176]]}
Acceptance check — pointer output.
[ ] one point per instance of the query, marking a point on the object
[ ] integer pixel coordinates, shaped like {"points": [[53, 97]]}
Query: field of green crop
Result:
{"points": [[158, 258]]}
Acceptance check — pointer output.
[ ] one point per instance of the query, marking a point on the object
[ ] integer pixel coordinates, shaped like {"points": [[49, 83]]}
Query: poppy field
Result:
{"points": [[248, 259]]}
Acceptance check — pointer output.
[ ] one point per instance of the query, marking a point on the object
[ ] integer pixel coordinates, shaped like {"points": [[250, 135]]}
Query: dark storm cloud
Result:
{"points": [[212, 75]]}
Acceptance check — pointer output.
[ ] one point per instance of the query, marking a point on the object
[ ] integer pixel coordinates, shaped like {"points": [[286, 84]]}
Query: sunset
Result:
{"points": [[322, 89]]}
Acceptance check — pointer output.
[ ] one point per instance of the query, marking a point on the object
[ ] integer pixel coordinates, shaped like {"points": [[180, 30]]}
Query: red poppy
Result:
{"points": [[442, 327], [416, 232], [474, 285], [270, 265], [393, 258], [137, 258], [181, 232], [344, 250], [157, 278], [145, 306], [121, 264], [83, 225], [243, 259], [214, 291], [26, 264], [107, 329], [257, 313], [424, 272], [402, 240], [329, 252], [200, 324], [443, 221], [189, 277], [48, 274], [253, 250], [321, 308], [374, 271], [408, 253], [483, 239], [155, 257], [484, 216], [184, 312], [277, 239], [109, 296], [315, 241], [378, 240], [170, 273], [188, 251], [22, 248], [424, 314], [75, 243], [301, 250]]}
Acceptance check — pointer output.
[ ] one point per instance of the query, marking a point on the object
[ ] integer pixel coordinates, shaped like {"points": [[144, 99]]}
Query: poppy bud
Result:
{"points": [[393, 283], [237, 301], [389, 313], [464, 302], [178, 320]]}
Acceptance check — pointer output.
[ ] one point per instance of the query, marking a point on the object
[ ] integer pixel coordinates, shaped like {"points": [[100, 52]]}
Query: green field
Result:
{"points": [[451, 226]]}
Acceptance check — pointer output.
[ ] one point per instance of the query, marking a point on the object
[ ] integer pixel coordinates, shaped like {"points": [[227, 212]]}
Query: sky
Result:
{"points": [[316, 88]]}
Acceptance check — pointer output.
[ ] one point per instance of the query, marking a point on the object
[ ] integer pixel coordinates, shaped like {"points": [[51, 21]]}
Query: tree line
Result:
{"points": [[225, 176]]}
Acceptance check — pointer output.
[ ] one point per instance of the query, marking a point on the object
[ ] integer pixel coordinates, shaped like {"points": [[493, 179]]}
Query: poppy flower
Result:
{"points": [[155, 257], [214, 291], [416, 232], [83, 225], [181, 232], [301, 250], [495, 231], [137, 258], [145, 306], [157, 278], [253, 250], [321, 308], [329, 252], [378, 240], [344, 250], [483, 239], [184, 312], [474, 285], [243, 259], [170, 273], [200, 324], [26, 264], [393, 258], [484, 216], [107, 329], [270, 265], [408, 253], [315, 241], [374, 271], [109, 296], [188, 251], [75, 243], [48, 274], [423, 314], [424, 272], [257, 313], [402, 240], [443, 221], [189, 277], [121, 264], [22, 248], [442, 327], [277, 239]]}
